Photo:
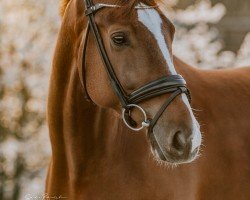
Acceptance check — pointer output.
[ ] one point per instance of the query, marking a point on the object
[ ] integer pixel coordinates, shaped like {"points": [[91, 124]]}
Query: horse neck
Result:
{"points": [[216, 92], [83, 133], [84, 136]]}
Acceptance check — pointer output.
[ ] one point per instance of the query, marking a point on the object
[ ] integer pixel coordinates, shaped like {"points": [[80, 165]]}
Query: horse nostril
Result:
{"points": [[179, 141]]}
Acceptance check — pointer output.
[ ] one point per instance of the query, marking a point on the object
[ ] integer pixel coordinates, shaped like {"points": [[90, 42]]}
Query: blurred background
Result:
{"points": [[210, 34]]}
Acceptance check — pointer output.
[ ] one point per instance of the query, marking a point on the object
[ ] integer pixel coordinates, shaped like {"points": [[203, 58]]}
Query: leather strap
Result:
{"points": [[174, 84], [82, 67], [155, 88], [112, 76], [158, 87], [166, 84], [164, 106], [94, 8], [151, 134]]}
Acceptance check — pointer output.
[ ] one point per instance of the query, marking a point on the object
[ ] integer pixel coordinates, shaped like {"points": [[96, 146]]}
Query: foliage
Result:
{"points": [[28, 31], [197, 40]]}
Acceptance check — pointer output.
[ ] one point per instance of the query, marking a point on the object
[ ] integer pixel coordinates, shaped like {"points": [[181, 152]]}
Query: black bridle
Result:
{"points": [[174, 84]]}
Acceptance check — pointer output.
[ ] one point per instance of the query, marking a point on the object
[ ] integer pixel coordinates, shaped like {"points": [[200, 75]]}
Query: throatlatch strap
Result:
{"points": [[82, 69]]}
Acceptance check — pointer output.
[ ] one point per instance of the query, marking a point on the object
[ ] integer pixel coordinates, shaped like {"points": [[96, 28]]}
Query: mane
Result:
{"points": [[63, 6], [129, 4], [132, 3]]}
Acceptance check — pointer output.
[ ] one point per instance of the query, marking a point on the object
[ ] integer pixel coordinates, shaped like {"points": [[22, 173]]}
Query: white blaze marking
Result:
{"points": [[196, 140], [152, 20]]}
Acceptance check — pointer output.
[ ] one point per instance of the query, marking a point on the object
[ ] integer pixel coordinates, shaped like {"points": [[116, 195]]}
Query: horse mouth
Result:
{"points": [[172, 157]]}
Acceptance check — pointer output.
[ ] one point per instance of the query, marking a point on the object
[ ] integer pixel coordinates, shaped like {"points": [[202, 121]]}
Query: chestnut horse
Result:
{"points": [[96, 156]]}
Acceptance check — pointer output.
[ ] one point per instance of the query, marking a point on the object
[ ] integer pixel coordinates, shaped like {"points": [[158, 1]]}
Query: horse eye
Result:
{"points": [[119, 39]]}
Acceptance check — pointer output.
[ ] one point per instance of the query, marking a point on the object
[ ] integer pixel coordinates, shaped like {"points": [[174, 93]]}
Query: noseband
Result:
{"points": [[173, 84]]}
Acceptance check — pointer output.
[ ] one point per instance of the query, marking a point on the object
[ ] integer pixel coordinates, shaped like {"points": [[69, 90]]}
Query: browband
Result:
{"points": [[98, 6]]}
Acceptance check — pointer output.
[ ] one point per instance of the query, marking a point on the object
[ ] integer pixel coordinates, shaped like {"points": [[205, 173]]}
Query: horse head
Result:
{"points": [[136, 53]]}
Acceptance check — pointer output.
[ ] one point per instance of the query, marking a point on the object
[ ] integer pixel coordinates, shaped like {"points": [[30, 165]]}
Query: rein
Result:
{"points": [[174, 84]]}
